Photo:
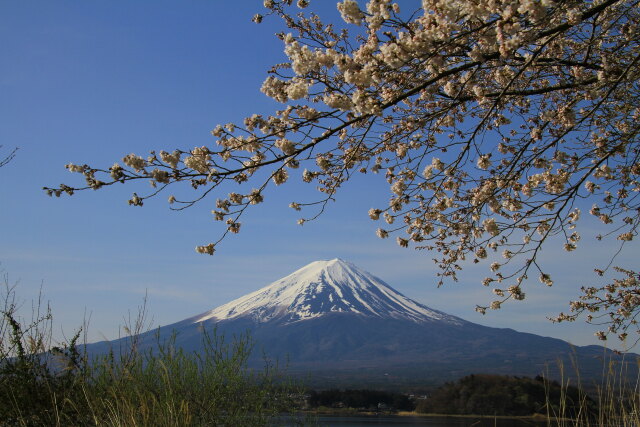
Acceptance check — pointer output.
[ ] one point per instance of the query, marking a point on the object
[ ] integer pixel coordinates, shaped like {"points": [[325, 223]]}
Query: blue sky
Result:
{"points": [[89, 82]]}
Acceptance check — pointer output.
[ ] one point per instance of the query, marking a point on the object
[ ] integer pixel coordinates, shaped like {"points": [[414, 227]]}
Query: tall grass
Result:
{"points": [[613, 401], [619, 397], [42, 384]]}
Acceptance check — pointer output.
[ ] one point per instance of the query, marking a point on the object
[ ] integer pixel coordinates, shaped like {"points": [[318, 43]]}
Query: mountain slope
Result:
{"points": [[324, 287], [330, 319]]}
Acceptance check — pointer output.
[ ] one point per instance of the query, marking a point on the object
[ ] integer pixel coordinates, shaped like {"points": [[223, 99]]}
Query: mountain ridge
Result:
{"points": [[343, 326], [322, 287]]}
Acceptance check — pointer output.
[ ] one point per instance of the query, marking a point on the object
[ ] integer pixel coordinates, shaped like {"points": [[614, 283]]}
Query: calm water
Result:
{"points": [[358, 421]]}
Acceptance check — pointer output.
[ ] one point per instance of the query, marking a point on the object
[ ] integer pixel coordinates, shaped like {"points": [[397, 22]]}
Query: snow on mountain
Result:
{"points": [[324, 287], [334, 322]]}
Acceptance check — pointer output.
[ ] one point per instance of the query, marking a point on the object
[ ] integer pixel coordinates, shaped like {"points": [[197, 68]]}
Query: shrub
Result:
{"points": [[41, 384]]}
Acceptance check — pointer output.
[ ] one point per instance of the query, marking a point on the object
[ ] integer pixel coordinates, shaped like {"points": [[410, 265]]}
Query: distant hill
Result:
{"points": [[504, 395], [337, 324]]}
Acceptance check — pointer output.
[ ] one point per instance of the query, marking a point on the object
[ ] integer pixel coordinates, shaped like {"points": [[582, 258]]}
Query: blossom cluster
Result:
{"points": [[488, 119]]}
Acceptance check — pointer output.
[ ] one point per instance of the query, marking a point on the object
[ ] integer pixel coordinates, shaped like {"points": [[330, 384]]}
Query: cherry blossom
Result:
{"points": [[490, 120]]}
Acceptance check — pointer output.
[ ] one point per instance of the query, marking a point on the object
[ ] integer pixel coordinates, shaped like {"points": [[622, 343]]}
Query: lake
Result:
{"points": [[409, 421]]}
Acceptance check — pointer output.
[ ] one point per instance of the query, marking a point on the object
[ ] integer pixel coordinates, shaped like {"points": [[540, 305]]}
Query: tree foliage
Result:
{"points": [[360, 399], [502, 395], [495, 123]]}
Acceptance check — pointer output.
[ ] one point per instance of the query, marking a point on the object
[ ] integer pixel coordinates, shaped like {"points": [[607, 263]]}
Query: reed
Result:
{"points": [[614, 400], [60, 385]]}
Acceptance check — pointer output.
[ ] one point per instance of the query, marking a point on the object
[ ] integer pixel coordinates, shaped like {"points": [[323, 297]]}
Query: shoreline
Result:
{"points": [[354, 412]]}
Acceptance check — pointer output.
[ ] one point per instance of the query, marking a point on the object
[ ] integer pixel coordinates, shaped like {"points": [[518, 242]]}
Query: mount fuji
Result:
{"points": [[336, 323], [322, 288]]}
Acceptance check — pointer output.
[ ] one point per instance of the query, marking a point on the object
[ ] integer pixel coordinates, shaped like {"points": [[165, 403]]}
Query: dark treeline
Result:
{"points": [[505, 395], [361, 399]]}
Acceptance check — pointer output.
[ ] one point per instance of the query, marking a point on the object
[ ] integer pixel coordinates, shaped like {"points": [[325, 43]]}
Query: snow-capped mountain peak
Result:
{"points": [[321, 288]]}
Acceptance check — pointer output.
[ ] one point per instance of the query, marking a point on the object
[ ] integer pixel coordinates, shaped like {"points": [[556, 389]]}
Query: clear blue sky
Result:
{"points": [[89, 82]]}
